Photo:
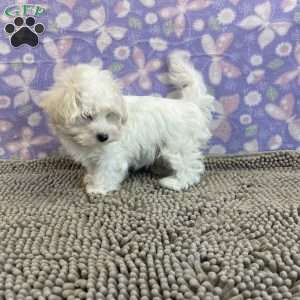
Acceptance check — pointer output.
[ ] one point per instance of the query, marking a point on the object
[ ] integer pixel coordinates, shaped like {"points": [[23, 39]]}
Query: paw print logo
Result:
{"points": [[24, 32]]}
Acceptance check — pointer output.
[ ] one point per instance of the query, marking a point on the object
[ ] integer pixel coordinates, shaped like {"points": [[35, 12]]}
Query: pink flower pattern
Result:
{"points": [[23, 146], [286, 77], [179, 12], [216, 50], [143, 70]]}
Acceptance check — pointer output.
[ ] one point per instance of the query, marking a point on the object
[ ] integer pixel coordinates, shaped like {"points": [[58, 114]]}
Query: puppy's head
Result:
{"points": [[86, 105]]}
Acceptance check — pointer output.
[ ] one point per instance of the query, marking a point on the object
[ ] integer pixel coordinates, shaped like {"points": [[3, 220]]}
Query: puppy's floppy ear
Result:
{"points": [[116, 89], [60, 104], [107, 74], [121, 103], [124, 113]]}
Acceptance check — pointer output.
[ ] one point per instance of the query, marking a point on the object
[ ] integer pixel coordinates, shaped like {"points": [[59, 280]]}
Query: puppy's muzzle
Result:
{"points": [[102, 137]]}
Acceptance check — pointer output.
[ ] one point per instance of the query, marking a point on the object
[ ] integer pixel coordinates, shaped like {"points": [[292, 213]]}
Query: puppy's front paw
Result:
{"points": [[171, 183], [94, 189], [98, 189], [87, 179]]}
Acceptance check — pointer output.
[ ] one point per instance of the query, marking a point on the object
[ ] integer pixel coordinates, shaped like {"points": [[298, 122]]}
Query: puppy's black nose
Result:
{"points": [[101, 137]]}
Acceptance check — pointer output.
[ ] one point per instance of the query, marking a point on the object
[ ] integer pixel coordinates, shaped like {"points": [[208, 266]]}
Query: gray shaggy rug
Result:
{"points": [[234, 236]]}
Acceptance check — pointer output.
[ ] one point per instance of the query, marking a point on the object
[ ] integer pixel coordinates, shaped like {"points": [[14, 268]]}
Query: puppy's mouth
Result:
{"points": [[89, 140], [92, 142]]}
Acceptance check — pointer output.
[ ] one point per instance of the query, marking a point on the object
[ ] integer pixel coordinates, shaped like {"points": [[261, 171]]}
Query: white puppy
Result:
{"points": [[109, 133]]}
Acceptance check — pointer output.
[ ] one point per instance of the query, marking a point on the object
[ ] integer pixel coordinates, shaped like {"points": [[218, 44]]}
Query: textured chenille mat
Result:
{"points": [[234, 236]]}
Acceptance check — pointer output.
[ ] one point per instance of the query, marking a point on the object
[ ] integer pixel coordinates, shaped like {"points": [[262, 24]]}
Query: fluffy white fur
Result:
{"points": [[86, 103]]}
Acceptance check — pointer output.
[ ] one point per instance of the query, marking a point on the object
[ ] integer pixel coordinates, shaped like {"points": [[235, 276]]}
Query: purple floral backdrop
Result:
{"points": [[248, 51]]}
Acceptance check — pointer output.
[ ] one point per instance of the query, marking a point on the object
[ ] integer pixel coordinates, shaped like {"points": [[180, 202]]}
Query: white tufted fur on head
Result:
{"points": [[84, 102]]}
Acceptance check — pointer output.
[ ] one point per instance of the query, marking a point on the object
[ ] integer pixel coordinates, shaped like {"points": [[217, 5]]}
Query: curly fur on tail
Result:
{"points": [[189, 81]]}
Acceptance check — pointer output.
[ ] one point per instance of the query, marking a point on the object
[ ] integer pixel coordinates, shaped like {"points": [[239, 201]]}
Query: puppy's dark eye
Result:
{"points": [[112, 116], [87, 117]]}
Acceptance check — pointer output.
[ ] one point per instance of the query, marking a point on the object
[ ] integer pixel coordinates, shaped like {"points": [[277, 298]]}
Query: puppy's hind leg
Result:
{"points": [[187, 168]]}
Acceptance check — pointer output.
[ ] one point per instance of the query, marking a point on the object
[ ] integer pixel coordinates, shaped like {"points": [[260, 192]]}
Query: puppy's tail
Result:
{"points": [[185, 77]]}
